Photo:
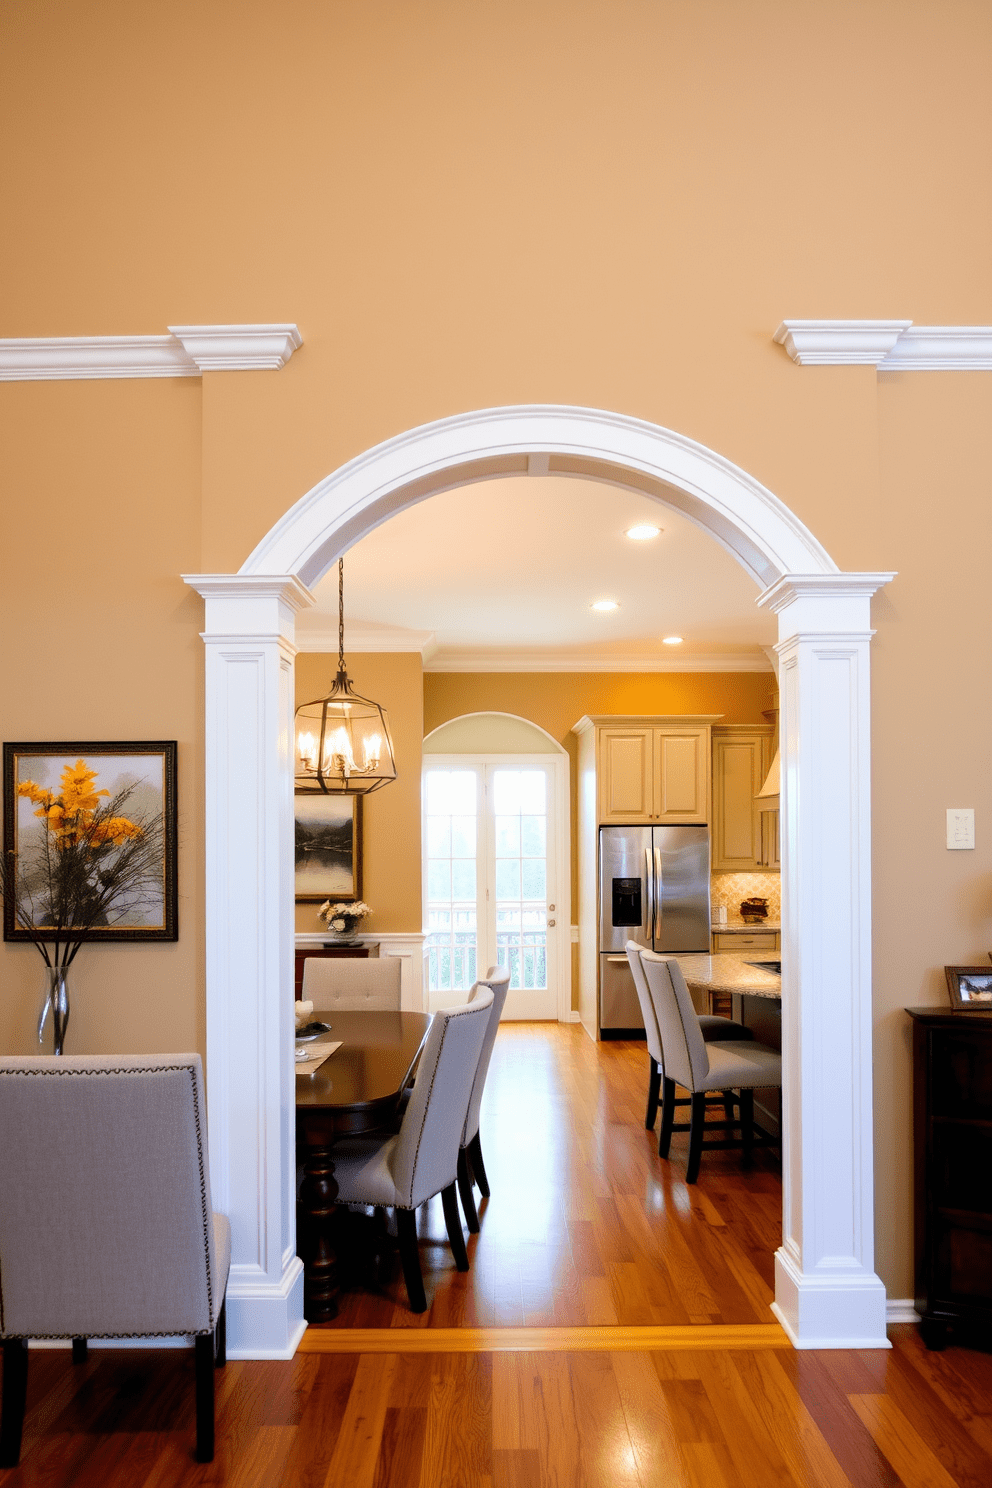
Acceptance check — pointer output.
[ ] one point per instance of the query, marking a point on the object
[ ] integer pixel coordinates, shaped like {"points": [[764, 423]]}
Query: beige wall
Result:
{"points": [[464, 206], [391, 816]]}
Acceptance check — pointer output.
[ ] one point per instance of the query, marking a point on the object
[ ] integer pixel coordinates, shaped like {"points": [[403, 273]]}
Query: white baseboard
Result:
{"points": [[901, 1310]]}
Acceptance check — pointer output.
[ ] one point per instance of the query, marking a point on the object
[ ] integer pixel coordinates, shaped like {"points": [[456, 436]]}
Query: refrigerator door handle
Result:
{"points": [[649, 887], [657, 897]]}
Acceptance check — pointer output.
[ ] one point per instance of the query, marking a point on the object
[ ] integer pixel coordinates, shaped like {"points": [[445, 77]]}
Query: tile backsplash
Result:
{"points": [[729, 889]]}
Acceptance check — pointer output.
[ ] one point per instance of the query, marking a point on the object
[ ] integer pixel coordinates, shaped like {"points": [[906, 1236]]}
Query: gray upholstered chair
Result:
{"points": [[352, 984], [403, 1171], [471, 1168], [703, 1067], [106, 1228], [710, 1024]]}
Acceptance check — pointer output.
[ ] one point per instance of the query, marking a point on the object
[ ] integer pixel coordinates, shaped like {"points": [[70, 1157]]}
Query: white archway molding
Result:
{"points": [[827, 1294], [747, 519]]}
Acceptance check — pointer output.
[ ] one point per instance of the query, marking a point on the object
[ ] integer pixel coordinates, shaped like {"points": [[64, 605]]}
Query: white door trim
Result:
{"points": [[827, 1293]]}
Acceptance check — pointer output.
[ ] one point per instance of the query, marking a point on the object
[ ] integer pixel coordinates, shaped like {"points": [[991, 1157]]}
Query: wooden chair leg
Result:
{"points": [[747, 1127], [728, 1105], [204, 1346], [478, 1166], [453, 1221], [697, 1120], [654, 1087], [79, 1350], [220, 1337], [667, 1116], [465, 1191], [15, 1387], [406, 1229]]}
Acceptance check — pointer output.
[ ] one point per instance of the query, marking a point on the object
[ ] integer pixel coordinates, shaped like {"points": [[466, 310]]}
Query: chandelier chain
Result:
{"points": [[340, 614]]}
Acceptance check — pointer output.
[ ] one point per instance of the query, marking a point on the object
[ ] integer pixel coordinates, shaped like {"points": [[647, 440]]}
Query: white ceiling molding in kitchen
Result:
{"points": [[888, 345]]}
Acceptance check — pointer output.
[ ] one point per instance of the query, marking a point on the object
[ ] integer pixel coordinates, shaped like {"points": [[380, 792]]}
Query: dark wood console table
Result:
{"points": [[354, 1092], [952, 1110]]}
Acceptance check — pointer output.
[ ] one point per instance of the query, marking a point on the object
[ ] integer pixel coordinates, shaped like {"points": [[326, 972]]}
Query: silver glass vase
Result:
{"points": [[56, 1002]]}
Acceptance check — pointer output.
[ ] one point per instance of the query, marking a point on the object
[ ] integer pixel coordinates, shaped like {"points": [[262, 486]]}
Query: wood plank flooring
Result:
{"points": [[586, 1226], [684, 1418], [614, 1330]]}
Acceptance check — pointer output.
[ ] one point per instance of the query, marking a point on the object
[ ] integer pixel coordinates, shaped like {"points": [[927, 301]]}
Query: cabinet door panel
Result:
{"points": [[681, 770], [962, 1075], [625, 775], [737, 766]]}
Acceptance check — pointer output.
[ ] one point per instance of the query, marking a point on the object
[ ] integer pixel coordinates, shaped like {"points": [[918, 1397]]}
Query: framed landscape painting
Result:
{"points": [[138, 780], [328, 847]]}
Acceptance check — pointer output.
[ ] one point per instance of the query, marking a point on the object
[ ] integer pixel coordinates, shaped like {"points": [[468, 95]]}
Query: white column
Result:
{"points": [[249, 949], [826, 1292]]}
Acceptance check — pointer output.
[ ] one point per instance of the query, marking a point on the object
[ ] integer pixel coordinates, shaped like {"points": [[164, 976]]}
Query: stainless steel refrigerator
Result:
{"points": [[654, 887]]}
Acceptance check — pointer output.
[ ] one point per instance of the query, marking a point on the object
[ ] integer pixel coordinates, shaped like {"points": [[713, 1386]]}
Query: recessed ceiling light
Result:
{"points": [[605, 604], [642, 532], [671, 641]]}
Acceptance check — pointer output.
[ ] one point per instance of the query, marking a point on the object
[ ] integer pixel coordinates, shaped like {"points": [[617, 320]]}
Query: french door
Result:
{"points": [[490, 878]]}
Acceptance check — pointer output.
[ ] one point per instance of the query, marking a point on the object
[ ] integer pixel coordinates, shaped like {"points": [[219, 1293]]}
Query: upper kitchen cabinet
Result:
{"points": [[741, 838], [650, 769]]}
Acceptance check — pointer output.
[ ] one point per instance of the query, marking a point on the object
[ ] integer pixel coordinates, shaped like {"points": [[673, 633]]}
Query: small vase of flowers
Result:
{"points": [[342, 920]]}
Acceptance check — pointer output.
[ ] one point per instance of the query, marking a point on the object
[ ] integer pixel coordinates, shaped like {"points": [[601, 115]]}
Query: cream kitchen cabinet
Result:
{"points": [[650, 769], [739, 941], [742, 835]]}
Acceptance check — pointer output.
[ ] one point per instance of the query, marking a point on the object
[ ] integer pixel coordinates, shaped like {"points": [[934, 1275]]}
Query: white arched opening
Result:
{"points": [[827, 1294]]}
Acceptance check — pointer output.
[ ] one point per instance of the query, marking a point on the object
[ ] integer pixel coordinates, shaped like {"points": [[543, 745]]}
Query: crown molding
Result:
{"points": [[941, 349], [188, 352], [451, 660], [888, 345], [238, 348], [839, 343]]}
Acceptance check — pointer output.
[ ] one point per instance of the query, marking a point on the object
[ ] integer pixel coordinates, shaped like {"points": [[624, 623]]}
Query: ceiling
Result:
{"points": [[501, 576]]}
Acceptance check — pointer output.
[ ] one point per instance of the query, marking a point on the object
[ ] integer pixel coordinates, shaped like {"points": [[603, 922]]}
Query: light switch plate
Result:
{"points": [[960, 827]]}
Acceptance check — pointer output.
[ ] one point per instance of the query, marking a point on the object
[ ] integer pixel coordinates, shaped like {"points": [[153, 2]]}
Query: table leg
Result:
{"points": [[318, 1193]]}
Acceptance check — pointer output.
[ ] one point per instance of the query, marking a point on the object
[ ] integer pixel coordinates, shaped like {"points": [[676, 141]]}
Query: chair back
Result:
{"points": [[497, 979], [424, 1158], [686, 1059], [647, 1006], [352, 984], [106, 1228]]}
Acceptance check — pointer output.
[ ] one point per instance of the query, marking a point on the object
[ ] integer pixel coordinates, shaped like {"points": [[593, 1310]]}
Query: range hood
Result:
{"points": [[770, 790]]}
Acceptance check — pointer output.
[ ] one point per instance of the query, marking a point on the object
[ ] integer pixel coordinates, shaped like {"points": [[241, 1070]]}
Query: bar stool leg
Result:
{"points": [[654, 1087], [667, 1116], [697, 1121]]}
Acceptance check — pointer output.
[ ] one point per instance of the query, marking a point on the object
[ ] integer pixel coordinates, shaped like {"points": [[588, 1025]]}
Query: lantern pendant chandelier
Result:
{"points": [[343, 746]]}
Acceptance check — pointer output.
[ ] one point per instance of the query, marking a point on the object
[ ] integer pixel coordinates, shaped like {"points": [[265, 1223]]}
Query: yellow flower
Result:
{"points": [[36, 793]]}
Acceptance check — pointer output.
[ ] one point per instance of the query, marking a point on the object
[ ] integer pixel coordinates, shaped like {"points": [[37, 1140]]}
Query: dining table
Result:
{"points": [[355, 1092]]}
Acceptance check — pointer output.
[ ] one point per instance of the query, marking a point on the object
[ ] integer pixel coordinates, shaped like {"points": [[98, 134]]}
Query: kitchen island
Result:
{"points": [[734, 986]]}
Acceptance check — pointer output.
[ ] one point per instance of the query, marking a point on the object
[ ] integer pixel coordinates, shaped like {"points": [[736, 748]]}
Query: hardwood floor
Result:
{"points": [[614, 1329], [685, 1418], [586, 1225]]}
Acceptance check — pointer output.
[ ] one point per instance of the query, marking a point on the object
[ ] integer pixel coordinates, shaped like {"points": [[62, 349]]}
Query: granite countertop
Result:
{"points": [[730, 973], [739, 926]]}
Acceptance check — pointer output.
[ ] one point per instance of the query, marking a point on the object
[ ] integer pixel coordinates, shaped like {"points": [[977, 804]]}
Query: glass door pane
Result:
{"points": [[451, 827], [520, 836]]}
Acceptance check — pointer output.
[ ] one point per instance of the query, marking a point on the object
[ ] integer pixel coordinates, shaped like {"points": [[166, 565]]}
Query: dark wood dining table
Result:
{"points": [[356, 1091]]}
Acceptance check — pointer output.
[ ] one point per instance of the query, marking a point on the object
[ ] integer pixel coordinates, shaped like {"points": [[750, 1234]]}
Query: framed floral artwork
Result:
{"points": [[89, 841]]}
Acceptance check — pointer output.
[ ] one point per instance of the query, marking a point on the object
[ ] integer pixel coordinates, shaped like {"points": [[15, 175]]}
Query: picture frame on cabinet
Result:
{"points": [[327, 847], [969, 987]]}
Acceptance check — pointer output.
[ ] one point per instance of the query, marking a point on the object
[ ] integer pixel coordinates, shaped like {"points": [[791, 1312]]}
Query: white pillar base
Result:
{"points": [[829, 1311], [265, 1321]]}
